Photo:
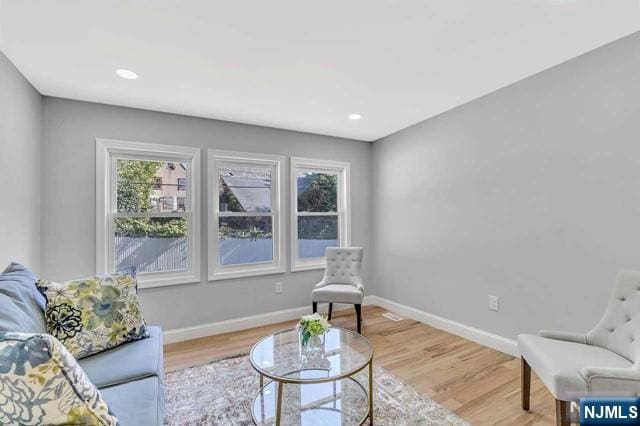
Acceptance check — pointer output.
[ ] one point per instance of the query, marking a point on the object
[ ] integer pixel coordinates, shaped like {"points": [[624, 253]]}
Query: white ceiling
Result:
{"points": [[301, 65]]}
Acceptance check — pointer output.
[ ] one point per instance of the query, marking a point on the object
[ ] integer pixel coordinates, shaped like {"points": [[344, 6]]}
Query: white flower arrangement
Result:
{"points": [[312, 325]]}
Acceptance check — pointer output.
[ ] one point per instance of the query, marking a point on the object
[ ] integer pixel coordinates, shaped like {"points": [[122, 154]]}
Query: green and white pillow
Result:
{"points": [[41, 383], [92, 315]]}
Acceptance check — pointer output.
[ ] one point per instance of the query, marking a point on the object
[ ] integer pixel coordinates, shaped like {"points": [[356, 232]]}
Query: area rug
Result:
{"points": [[221, 393]]}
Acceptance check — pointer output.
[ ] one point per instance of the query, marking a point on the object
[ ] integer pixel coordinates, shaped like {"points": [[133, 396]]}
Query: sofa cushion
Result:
{"points": [[21, 305], [135, 360], [94, 314], [41, 383], [137, 403], [559, 363]]}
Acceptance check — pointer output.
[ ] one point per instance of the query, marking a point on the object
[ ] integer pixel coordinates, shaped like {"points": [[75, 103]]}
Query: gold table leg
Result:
{"points": [[279, 403], [261, 380], [371, 392]]}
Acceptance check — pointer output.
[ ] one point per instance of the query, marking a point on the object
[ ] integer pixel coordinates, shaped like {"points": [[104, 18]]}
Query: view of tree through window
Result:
{"points": [[150, 243], [317, 193]]}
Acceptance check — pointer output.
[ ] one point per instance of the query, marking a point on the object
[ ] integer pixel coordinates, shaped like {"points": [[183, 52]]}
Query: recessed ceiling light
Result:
{"points": [[128, 74], [355, 116]]}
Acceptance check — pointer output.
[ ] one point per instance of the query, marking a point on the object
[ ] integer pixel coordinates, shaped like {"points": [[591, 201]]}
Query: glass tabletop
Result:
{"points": [[338, 353]]}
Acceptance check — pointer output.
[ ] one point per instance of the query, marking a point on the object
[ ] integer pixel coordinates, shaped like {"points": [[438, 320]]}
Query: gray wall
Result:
{"points": [[531, 193], [20, 175], [68, 242]]}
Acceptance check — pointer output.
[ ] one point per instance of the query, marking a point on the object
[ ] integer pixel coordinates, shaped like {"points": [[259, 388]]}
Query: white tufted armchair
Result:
{"points": [[603, 362], [342, 282]]}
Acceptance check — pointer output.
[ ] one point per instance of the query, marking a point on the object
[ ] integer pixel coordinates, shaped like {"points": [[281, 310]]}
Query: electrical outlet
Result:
{"points": [[279, 287], [494, 303]]}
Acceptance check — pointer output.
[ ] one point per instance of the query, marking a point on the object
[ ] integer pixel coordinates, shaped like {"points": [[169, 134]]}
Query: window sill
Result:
{"points": [[159, 281], [224, 275], [308, 266]]}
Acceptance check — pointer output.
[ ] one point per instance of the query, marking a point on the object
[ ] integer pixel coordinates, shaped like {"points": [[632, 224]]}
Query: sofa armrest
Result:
{"points": [[567, 336]]}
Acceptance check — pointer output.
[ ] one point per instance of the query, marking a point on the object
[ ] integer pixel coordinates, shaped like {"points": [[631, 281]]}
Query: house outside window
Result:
{"points": [[140, 225], [320, 210], [181, 203], [245, 214], [182, 184]]}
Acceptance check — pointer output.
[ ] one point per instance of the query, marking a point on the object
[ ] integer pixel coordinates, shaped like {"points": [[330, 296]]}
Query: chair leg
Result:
{"points": [[525, 382], [314, 307], [330, 309], [562, 414], [359, 317]]}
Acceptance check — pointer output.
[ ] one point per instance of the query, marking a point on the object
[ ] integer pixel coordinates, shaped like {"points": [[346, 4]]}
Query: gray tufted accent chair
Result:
{"points": [[603, 362], [342, 282]]}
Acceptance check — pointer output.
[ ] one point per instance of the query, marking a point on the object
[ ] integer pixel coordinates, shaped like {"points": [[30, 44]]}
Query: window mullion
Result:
{"points": [[150, 214], [318, 213], [244, 214]]}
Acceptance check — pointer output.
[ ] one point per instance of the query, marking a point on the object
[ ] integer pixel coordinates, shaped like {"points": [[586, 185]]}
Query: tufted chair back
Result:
{"points": [[344, 266], [619, 328]]}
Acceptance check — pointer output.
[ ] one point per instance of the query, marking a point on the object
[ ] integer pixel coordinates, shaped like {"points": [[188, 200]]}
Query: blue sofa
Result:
{"points": [[129, 376]]}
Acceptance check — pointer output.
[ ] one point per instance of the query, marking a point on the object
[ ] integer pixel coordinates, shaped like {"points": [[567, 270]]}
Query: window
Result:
{"points": [[141, 222], [182, 184], [245, 220], [319, 210]]}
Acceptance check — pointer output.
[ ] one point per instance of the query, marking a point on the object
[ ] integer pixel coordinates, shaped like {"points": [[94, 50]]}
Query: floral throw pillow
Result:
{"points": [[92, 315], [41, 383]]}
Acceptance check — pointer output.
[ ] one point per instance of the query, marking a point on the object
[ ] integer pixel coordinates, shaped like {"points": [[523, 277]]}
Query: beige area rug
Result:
{"points": [[222, 393]]}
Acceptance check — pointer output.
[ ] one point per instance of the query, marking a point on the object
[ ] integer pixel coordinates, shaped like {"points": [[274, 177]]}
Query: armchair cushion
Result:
{"points": [[560, 363], [338, 293]]}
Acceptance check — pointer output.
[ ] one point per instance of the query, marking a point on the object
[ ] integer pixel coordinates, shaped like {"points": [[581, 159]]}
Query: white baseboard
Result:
{"points": [[482, 337], [243, 323], [485, 338]]}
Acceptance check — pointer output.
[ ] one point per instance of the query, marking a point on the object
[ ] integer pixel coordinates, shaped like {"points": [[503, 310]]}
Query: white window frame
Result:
{"points": [[217, 158], [107, 152], [343, 169]]}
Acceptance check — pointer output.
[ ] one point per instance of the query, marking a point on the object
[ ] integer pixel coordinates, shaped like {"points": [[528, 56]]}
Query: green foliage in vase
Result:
{"points": [[312, 325]]}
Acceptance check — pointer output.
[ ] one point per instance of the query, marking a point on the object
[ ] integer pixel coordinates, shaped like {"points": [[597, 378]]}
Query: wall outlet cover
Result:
{"points": [[278, 287], [494, 303]]}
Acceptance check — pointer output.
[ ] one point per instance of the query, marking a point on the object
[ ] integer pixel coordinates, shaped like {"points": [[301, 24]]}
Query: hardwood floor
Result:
{"points": [[479, 384]]}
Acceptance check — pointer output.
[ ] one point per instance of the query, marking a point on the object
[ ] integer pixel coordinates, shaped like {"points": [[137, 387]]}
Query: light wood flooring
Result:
{"points": [[477, 383]]}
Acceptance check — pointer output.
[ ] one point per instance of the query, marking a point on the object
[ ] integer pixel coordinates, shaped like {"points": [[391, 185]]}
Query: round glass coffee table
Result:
{"points": [[314, 384]]}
